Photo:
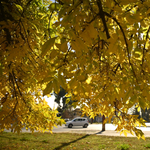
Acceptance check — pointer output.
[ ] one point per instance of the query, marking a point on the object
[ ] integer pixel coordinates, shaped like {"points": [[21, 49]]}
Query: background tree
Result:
{"points": [[146, 114], [64, 102]]}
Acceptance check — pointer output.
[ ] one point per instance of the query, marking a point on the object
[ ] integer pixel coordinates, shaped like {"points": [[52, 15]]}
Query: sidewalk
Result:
{"points": [[104, 133], [114, 133], [97, 132]]}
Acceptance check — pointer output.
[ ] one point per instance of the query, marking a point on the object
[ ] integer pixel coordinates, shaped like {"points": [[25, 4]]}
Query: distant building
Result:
{"points": [[71, 113]]}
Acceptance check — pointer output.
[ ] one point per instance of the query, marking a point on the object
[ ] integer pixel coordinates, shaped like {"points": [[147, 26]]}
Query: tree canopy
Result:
{"points": [[97, 50], [24, 27]]}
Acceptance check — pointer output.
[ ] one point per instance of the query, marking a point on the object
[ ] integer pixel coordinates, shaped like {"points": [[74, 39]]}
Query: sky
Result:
{"points": [[51, 102]]}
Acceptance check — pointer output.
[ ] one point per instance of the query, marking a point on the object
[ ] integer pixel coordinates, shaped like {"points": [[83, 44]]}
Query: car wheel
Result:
{"points": [[70, 126], [85, 126]]}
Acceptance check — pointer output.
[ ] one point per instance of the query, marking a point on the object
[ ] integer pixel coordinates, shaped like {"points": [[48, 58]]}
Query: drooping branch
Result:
{"points": [[49, 24], [60, 2], [27, 40], [125, 39], [116, 3], [65, 59], [102, 16], [117, 67]]}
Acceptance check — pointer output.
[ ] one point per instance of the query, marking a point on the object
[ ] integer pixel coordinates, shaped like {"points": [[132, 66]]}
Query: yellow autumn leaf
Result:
{"points": [[88, 80], [48, 88], [53, 53], [47, 46], [62, 81], [125, 132], [64, 47]]}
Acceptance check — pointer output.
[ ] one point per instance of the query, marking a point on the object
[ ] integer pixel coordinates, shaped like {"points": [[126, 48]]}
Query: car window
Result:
{"points": [[80, 119]]}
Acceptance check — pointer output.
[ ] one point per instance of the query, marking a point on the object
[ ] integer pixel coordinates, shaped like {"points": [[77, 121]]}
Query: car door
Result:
{"points": [[82, 122], [75, 122], [79, 122]]}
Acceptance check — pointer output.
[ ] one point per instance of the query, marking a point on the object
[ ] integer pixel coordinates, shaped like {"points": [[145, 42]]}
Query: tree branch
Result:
{"points": [[102, 16], [49, 24], [125, 39]]}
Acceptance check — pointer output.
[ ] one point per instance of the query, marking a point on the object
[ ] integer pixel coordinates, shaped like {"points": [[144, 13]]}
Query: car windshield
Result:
{"points": [[74, 119]]}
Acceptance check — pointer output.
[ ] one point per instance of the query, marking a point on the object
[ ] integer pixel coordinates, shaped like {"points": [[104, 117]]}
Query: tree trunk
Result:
{"points": [[103, 124]]}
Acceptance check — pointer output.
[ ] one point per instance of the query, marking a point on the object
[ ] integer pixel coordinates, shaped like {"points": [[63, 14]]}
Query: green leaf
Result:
{"points": [[47, 46]]}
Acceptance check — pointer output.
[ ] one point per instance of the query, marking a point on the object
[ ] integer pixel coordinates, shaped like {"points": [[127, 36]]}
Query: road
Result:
{"points": [[92, 128]]}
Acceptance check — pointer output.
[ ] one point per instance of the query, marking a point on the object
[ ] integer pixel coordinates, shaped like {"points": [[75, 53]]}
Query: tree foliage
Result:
{"points": [[24, 28], [97, 50], [103, 51]]}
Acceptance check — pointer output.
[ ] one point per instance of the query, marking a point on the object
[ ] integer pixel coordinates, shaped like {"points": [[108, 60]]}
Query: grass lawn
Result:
{"points": [[68, 141]]}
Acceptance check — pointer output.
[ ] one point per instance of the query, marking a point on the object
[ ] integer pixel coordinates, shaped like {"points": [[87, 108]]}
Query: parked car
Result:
{"points": [[77, 122]]}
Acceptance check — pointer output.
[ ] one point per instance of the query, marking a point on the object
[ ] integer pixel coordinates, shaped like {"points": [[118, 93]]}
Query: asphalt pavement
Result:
{"points": [[97, 129]]}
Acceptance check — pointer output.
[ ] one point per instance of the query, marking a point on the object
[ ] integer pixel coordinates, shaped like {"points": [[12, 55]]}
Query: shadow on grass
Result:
{"points": [[13, 138], [66, 144], [100, 132], [22, 139]]}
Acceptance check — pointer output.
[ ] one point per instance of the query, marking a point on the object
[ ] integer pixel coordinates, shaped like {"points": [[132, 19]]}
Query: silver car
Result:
{"points": [[77, 122]]}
